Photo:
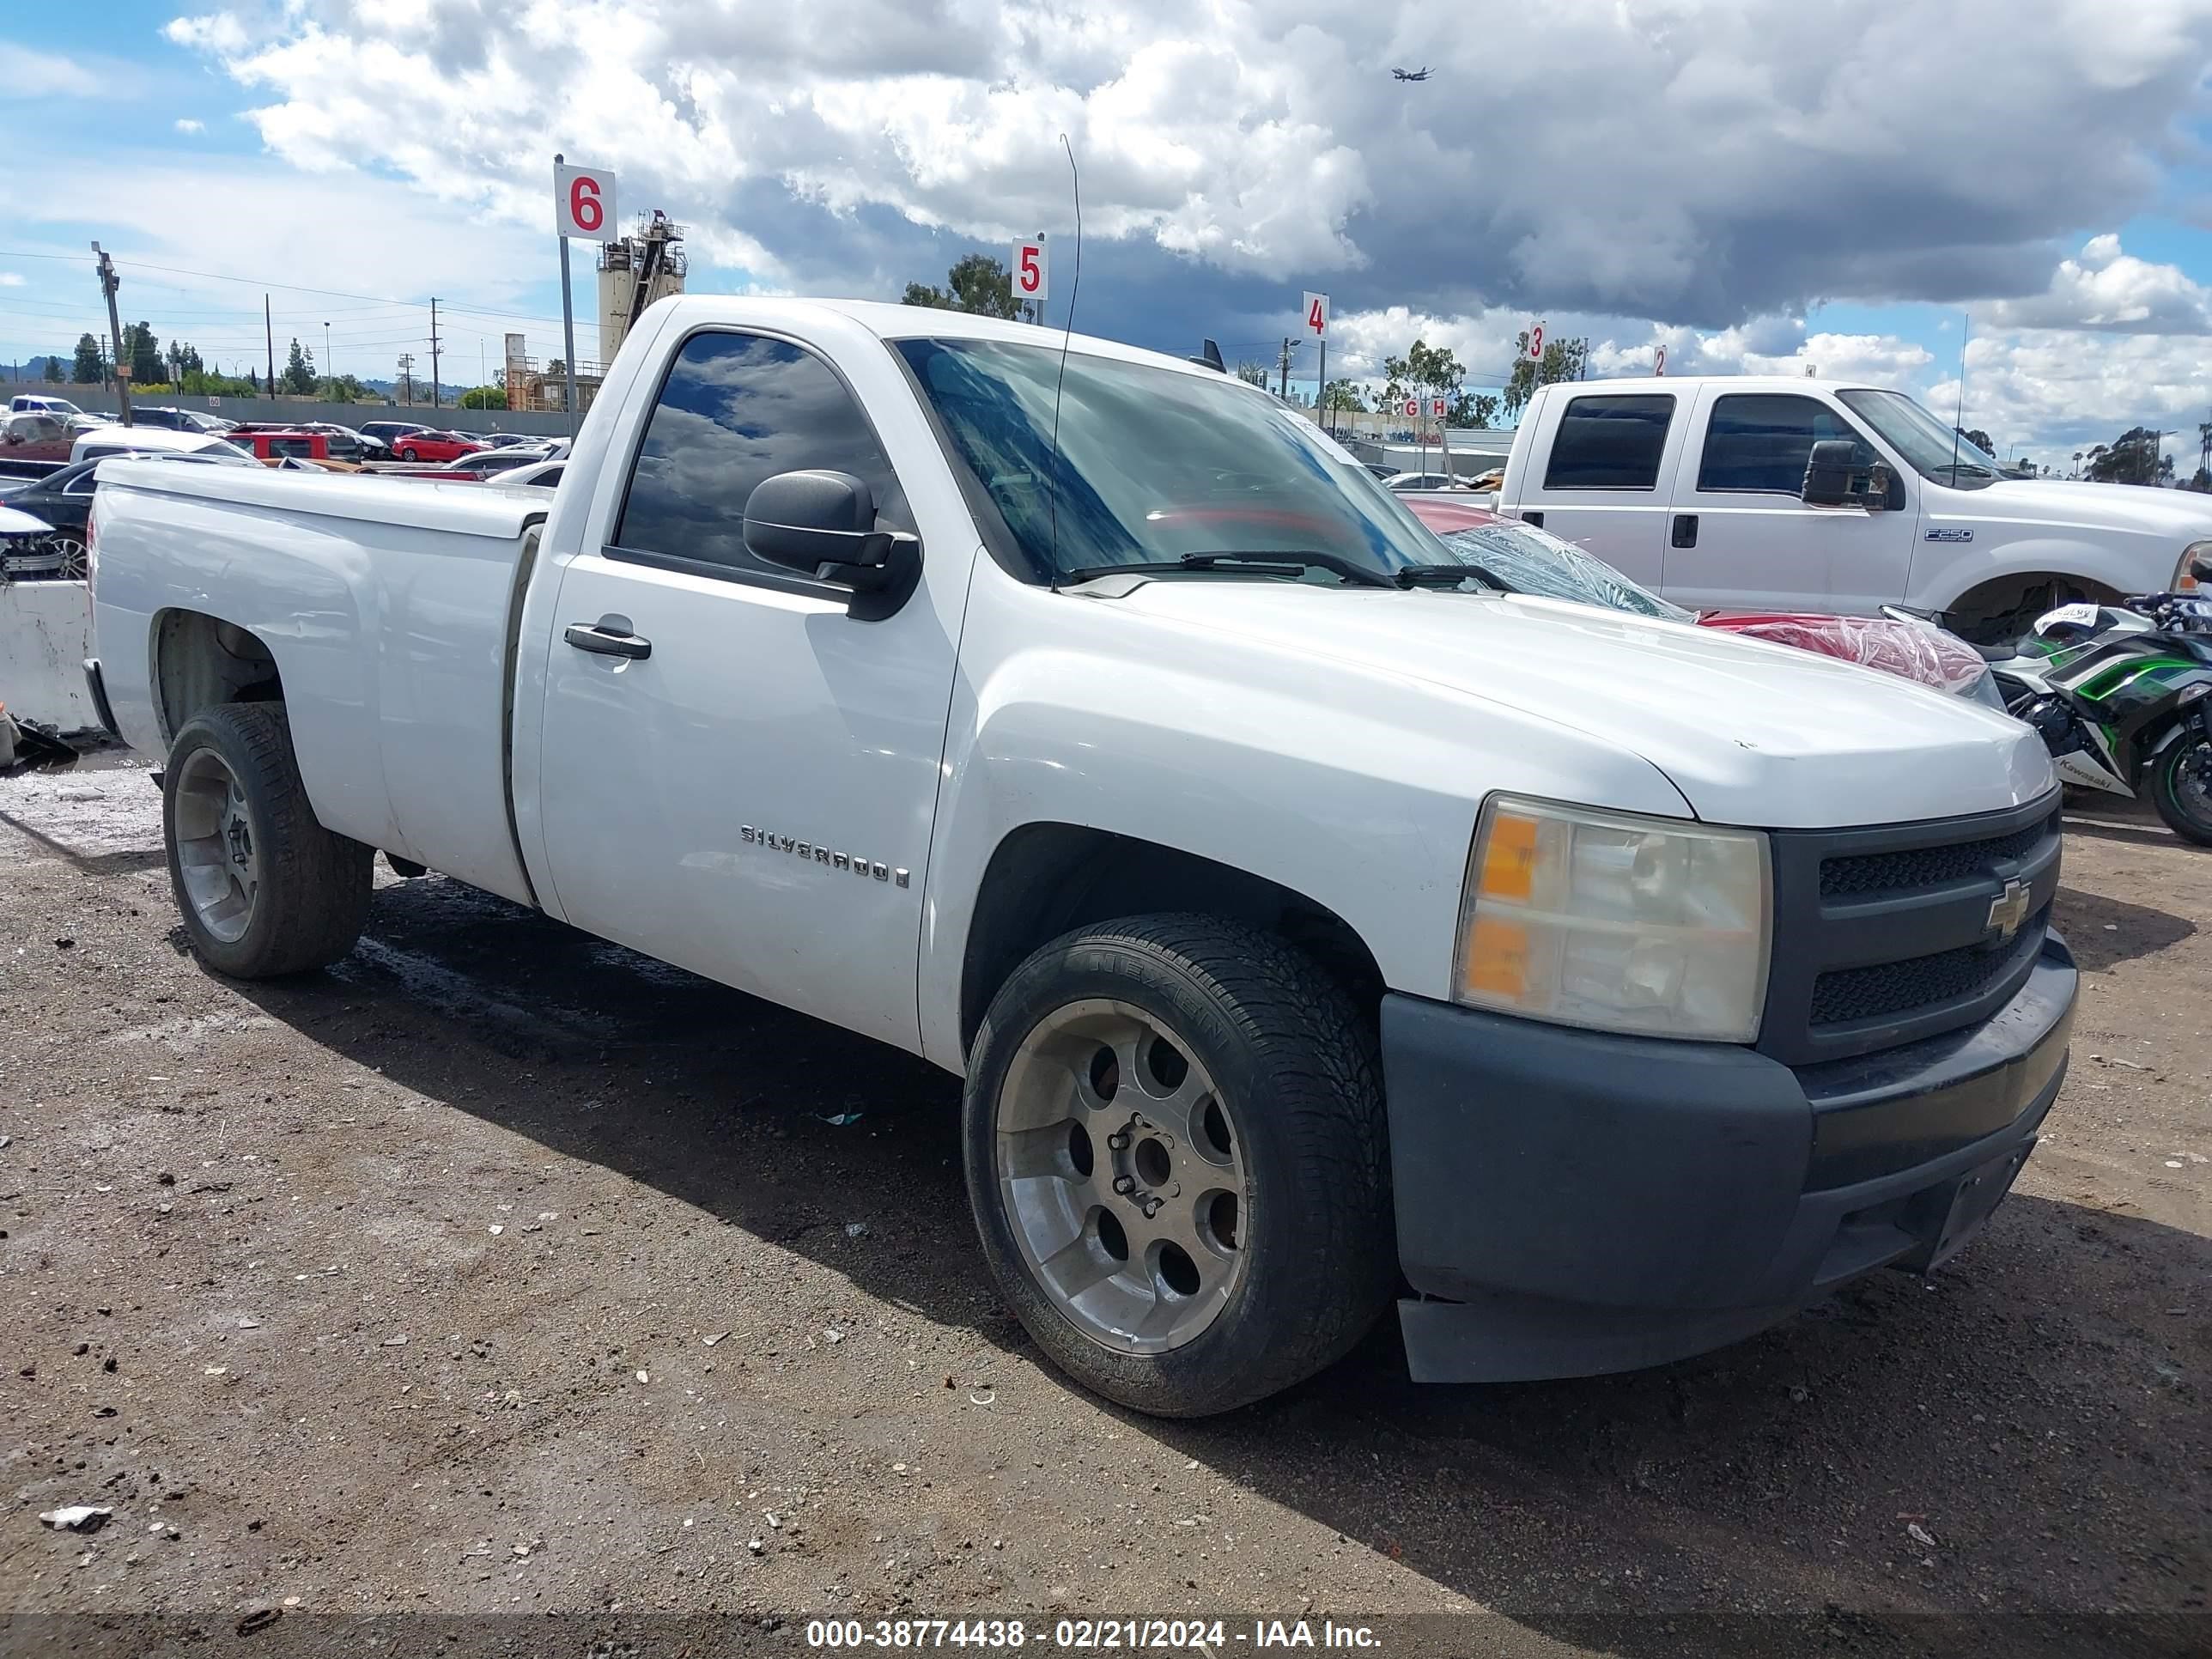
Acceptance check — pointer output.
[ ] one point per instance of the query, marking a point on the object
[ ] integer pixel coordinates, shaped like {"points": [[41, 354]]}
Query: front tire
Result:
{"points": [[263, 888], [2181, 788], [1176, 1151]]}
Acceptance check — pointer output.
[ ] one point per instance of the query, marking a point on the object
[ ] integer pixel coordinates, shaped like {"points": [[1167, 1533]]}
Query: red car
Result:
{"points": [[1526, 560], [434, 446]]}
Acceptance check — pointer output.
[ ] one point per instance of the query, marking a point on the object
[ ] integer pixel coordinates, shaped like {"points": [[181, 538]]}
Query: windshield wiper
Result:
{"points": [[1288, 561], [1448, 575]]}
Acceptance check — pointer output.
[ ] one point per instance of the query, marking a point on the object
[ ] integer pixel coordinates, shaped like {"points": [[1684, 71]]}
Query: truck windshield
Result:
{"points": [[1156, 467], [1930, 447], [1527, 560]]}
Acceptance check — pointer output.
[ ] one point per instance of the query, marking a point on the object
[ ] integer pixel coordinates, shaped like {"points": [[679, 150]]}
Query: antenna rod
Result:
{"points": [[1959, 416], [1067, 335]]}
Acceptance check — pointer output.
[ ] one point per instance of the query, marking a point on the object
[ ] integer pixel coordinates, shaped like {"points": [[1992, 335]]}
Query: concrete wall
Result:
{"points": [[97, 401], [45, 634]]}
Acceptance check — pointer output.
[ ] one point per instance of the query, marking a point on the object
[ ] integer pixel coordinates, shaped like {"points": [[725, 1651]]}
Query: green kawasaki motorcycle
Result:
{"points": [[2122, 694]]}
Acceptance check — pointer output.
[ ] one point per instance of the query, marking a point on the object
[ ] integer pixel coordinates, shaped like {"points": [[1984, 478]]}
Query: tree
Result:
{"points": [[976, 284], [53, 370], [556, 370], [2133, 458], [90, 366], [299, 371], [144, 353], [1979, 438], [1476, 409], [485, 396], [253, 383], [341, 389], [1563, 361], [1343, 396], [1426, 372]]}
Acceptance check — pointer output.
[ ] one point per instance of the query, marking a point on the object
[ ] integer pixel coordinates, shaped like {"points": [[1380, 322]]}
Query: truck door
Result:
{"points": [[1594, 476], [752, 798], [1739, 535]]}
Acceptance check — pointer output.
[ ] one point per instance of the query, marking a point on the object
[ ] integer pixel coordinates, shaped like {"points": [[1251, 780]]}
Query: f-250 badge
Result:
{"points": [[1950, 535], [836, 861]]}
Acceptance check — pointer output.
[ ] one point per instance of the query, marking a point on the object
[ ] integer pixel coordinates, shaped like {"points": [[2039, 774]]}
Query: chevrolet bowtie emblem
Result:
{"points": [[2008, 910]]}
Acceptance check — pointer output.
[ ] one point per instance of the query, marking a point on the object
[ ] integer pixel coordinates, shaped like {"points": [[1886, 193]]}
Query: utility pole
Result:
{"points": [[434, 351], [107, 286], [407, 377], [329, 373], [268, 335], [1285, 392]]}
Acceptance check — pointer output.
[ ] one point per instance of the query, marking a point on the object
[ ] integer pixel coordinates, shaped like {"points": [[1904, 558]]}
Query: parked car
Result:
{"points": [[433, 446], [1403, 481], [1525, 559], [105, 440], [485, 463], [1804, 495], [390, 432], [62, 501], [507, 439], [538, 475], [1298, 930], [270, 445], [25, 403], [180, 420], [36, 441], [29, 550]]}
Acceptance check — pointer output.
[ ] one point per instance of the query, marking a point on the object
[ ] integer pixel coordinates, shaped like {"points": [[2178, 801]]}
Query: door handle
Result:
{"points": [[1686, 530], [589, 636]]}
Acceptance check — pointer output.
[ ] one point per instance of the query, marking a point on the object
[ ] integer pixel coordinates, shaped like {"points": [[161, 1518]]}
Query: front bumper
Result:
{"points": [[1570, 1203]]}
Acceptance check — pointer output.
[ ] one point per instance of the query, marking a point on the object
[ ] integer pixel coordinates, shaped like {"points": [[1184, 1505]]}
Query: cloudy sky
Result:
{"points": [[1758, 184]]}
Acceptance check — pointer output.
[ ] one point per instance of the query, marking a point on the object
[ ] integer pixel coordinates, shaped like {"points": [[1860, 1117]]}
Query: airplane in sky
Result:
{"points": [[1420, 74]]}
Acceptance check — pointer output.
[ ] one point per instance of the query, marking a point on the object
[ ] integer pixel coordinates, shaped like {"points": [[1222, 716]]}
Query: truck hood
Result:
{"points": [[2067, 503], [1750, 733]]}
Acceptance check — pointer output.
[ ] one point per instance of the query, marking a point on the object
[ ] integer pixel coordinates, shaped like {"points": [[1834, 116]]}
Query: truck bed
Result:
{"points": [[388, 606]]}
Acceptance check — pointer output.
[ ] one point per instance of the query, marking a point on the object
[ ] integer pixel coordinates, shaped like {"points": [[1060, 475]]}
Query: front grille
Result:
{"points": [[1928, 866], [1845, 996], [1884, 935]]}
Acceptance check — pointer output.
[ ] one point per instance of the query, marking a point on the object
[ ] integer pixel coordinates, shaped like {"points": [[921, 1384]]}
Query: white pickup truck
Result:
{"points": [[1704, 489], [1311, 924]]}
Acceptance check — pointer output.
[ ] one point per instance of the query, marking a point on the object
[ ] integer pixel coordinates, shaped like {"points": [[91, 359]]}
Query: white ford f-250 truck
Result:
{"points": [[1702, 488], [1309, 922]]}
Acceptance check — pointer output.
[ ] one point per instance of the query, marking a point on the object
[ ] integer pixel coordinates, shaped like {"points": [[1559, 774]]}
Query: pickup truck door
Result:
{"points": [[1595, 473], [1740, 536], [736, 775]]}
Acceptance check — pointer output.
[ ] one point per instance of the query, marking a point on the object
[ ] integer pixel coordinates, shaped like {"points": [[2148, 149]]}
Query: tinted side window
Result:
{"points": [[1760, 441], [737, 409], [1610, 443], [291, 447]]}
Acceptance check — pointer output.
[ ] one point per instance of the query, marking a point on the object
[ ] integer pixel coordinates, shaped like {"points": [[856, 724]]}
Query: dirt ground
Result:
{"points": [[500, 1271]]}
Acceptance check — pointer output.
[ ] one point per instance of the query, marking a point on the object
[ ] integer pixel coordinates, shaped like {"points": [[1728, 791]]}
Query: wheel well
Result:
{"points": [[1046, 878], [201, 660], [2001, 610]]}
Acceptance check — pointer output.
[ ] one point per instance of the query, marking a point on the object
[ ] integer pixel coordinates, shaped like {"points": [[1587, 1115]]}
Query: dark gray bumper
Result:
{"points": [[1569, 1203]]}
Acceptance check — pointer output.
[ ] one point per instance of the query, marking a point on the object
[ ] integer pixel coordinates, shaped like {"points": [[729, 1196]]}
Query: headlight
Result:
{"points": [[1655, 927], [2183, 581]]}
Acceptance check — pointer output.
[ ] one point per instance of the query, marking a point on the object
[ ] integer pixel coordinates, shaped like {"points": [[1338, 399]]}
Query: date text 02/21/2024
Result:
{"points": [[1208, 1637]]}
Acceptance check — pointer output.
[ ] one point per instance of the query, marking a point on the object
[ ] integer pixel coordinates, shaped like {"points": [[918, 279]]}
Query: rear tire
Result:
{"points": [[263, 888], [2182, 792], [1228, 1080], [408, 455]]}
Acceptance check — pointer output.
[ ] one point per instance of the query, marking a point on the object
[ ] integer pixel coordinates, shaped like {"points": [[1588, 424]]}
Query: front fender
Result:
{"points": [[1355, 788], [2128, 568]]}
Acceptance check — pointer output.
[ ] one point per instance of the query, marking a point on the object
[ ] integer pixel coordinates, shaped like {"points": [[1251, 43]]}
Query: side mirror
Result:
{"points": [[1828, 474], [2201, 567], [822, 525]]}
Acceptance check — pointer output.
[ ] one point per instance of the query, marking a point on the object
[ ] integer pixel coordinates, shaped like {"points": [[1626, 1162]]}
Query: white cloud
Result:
{"points": [[25, 74], [187, 126], [2104, 287], [1702, 162]]}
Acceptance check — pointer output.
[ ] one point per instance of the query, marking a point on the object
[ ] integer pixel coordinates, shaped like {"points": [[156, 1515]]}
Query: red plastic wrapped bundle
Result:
{"points": [[1915, 651]]}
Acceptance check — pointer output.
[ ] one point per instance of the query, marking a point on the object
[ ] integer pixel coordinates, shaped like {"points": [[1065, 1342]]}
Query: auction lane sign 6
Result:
{"points": [[584, 202]]}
